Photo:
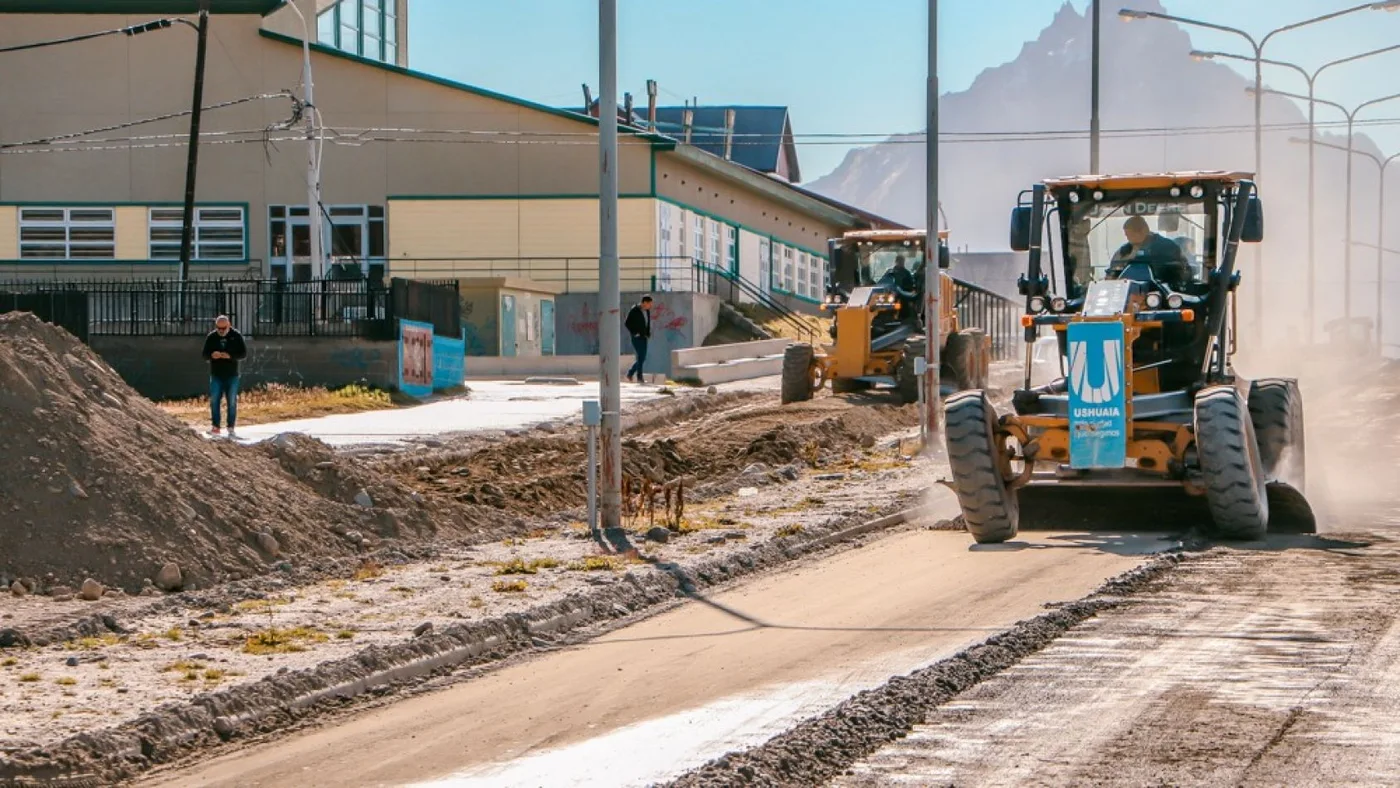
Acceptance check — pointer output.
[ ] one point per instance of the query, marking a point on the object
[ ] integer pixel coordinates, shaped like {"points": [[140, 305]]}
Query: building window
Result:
{"points": [[789, 275], [680, 230], [218, 234], [817, 277], [67, 234], [698, 240], [368, 28], [714, 243], [731, 249]]}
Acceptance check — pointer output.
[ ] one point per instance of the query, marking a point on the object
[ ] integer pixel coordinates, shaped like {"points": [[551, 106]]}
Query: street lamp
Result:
{"points": [[1351, 121], [313, 163], [1129, 14], [1311, 79], [1381, 165]]}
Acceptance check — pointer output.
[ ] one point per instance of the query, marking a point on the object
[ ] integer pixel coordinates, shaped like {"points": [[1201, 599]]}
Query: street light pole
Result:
{"points": [[609, 296], [192, 162], [1311, 79], [1094, 129], [1128, 15], [1351, 139], [931, 417]]}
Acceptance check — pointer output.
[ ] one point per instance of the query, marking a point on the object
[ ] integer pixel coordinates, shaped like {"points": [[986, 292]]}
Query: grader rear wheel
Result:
{"points": [[967, 358], [799, 366]]}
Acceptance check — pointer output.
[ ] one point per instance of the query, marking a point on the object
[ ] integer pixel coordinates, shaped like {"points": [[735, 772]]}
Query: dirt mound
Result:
{"points": [[535, 475], [103, 484]]}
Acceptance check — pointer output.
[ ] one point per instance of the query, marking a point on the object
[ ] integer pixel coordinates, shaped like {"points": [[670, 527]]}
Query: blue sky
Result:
{"points": [[843, 66]]}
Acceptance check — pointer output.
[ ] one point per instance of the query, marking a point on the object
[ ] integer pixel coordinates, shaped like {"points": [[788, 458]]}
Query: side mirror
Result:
{"points": [[1253, 230], [944, 258], [1021, 228]]}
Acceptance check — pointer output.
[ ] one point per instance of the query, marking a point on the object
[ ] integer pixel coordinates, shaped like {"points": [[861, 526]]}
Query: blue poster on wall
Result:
{"points": [[1098, 429]]}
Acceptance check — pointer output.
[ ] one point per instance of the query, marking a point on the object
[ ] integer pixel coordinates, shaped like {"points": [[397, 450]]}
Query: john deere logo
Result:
{"points": [[1096, 383]]}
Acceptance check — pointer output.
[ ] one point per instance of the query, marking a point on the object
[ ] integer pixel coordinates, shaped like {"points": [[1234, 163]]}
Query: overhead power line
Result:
{"points": [[132, 30]]}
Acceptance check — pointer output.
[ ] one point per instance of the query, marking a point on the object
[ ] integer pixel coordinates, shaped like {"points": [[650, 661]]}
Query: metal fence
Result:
{"points": [[168, 307], [994, 313], [67, 310]]}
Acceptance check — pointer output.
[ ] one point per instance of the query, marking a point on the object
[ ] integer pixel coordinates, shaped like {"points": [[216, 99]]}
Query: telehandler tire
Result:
{"points": [[797, 373], [1231, 466], [990, 508], [906, 382], [1276, 409], [966, 357]]}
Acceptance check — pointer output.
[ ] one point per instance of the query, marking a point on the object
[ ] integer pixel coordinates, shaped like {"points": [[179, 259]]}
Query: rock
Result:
{"points": [[224, 727], [711, 390], [58, 591], [735, 535], [325, 464], [11, 638], [72, 662], [755, 469], [92, 590], [122, 690], [659, 534], [446, 578], [268, 544], [790, 472], [830, 477], [867, 441], [110, 622], [416, 497], [425, 628], [354, 537], [41, 642], [716, 539], [748, 492], [362, 499], [76, 490], [18, 589], [169, 577]]}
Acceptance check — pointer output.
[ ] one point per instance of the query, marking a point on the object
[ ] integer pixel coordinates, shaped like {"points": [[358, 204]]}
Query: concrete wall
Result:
{"points": [[481, 315], [678, 320], [165, 367]]}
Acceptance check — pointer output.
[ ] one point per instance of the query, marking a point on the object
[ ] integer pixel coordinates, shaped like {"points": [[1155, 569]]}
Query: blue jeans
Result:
{"points": [[223, 388], [639, 346]]}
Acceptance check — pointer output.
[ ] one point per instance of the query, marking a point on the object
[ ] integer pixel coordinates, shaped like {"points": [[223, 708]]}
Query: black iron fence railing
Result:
{"points": [[993, 313]]}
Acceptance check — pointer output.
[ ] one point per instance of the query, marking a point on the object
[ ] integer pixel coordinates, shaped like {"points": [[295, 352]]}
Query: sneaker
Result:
{"points": [[231, 433], [216, 431]]}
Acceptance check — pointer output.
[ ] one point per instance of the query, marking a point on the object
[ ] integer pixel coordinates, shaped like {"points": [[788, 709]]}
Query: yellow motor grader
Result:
{"points": [[1147, 395], [875, 296]]}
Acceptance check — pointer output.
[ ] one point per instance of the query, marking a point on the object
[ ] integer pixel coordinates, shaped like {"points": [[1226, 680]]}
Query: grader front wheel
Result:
{"points": [[990, 507], [801, 375], [1231, 464]]}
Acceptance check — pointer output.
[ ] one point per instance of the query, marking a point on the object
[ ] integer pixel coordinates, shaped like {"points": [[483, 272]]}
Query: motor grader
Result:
{"points": [[875, 297], [1147, 394]]}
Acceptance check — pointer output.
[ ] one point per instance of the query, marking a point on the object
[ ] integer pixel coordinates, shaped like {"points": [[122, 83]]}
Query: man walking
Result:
{"points": [[638, 324], [222, 349]]}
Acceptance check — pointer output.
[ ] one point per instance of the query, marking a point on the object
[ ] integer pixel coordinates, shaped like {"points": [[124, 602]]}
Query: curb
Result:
{"points": [[274, 702]]}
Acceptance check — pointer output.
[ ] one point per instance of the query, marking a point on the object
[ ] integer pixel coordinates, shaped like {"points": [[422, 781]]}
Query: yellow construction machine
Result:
{"points": [[1147, 395], [875, 296]]}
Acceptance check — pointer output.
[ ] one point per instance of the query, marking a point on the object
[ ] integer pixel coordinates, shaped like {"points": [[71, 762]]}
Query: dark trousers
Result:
{"points": [[639, 346], [223, 389]]}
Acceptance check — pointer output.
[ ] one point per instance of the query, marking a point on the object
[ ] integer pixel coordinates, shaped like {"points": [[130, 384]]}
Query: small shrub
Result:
{"points": [[790, 530], [368, 571], [509, 586], [515, 566], [596, 563], [8, 662], [282, 641], [476, 602], [66, 681], [174, 634], [30, 678], [345, 634]]}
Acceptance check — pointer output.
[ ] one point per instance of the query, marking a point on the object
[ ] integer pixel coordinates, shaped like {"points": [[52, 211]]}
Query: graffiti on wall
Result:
{"points": [[583, 322]]}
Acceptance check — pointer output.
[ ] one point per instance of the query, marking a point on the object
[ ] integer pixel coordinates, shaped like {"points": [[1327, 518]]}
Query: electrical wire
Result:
{"points": [[131, 30], [296, 105]]}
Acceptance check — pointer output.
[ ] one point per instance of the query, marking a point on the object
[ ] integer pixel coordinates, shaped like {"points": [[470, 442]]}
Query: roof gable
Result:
{"points": [[762, 135]]}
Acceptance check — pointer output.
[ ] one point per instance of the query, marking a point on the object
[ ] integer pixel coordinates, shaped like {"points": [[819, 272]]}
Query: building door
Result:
{"points": [[508, 342], [547, 328]]}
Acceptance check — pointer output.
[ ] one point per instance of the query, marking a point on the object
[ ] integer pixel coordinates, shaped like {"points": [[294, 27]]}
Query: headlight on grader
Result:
{"points": [[1154, 300], [1058, 304], [1174, 301], [1037, 304]]}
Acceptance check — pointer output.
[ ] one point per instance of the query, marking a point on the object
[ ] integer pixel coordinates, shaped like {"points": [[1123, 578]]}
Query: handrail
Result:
{"points": [[766, 300]]}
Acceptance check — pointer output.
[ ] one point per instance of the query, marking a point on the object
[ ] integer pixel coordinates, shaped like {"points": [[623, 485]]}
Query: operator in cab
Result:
{"points": [[1165, 257], [902, 278]]}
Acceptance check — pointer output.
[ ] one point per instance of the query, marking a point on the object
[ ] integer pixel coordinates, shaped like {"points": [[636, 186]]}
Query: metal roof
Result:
{"points": [[759, 134], [159, 7], [1147, 180]]}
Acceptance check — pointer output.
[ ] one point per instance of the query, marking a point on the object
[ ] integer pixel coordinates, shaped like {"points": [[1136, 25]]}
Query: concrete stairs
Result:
{"points": [[724, 363]]}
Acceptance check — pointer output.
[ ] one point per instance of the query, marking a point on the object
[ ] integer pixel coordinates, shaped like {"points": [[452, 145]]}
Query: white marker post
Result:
{"points": [[592, 417]]}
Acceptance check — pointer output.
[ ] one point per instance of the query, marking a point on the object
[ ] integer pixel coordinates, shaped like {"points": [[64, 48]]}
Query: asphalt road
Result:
{"points": [[654, 699]]}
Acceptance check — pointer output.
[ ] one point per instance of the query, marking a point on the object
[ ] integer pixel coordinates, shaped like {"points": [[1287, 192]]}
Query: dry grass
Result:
{"points": [[518, 566], [9, 662], [282, 641], [790, 530], [66, 681], [30, 678], [779, 327], [509, 586], [92, 643], [368, 571], [597, 563], [277, 402]]}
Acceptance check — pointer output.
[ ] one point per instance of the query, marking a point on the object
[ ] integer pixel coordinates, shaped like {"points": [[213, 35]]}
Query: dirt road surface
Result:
{"points": [[704, 678], [1249, 667]]}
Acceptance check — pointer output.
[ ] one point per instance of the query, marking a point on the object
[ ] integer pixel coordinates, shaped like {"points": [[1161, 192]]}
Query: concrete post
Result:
{"points": [[931, 412], [609, 296]]}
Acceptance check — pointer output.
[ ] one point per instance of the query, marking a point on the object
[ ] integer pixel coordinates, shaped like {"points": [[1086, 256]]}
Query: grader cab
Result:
{"points": [[875, 297], [1147, 394]]}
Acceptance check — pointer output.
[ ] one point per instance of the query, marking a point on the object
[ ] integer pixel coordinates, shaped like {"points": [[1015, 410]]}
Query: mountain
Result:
{"points": [[1147, 81]]}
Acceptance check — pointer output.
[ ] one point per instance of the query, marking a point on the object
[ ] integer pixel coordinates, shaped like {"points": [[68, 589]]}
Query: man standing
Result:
{"points": [[638, 324], [222, 349]]}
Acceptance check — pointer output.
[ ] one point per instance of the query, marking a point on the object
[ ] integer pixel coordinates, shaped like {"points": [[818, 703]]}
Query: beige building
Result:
{"points": [[421, 176]]}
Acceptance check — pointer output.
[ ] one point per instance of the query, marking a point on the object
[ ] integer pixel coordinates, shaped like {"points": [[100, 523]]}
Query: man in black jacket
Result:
{"points": [[222, 349], [638, 324]]}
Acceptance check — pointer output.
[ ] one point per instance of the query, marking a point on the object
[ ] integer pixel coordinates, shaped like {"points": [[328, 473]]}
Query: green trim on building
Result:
{"points": [[54, 263], [248, 7], [467, 197], [657, 140]]}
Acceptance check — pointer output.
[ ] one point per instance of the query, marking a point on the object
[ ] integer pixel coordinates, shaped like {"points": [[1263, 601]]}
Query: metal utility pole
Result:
{"points": [[931, 416], [1094, 95], [313, 161], [191, 166], [609, 297]]}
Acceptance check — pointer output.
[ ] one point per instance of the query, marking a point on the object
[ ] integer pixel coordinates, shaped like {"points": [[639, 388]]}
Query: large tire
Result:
{"points": [[798, 360], [1276, 410], [906, 383], [990, 508], [966, 359], [1231, 465]]}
